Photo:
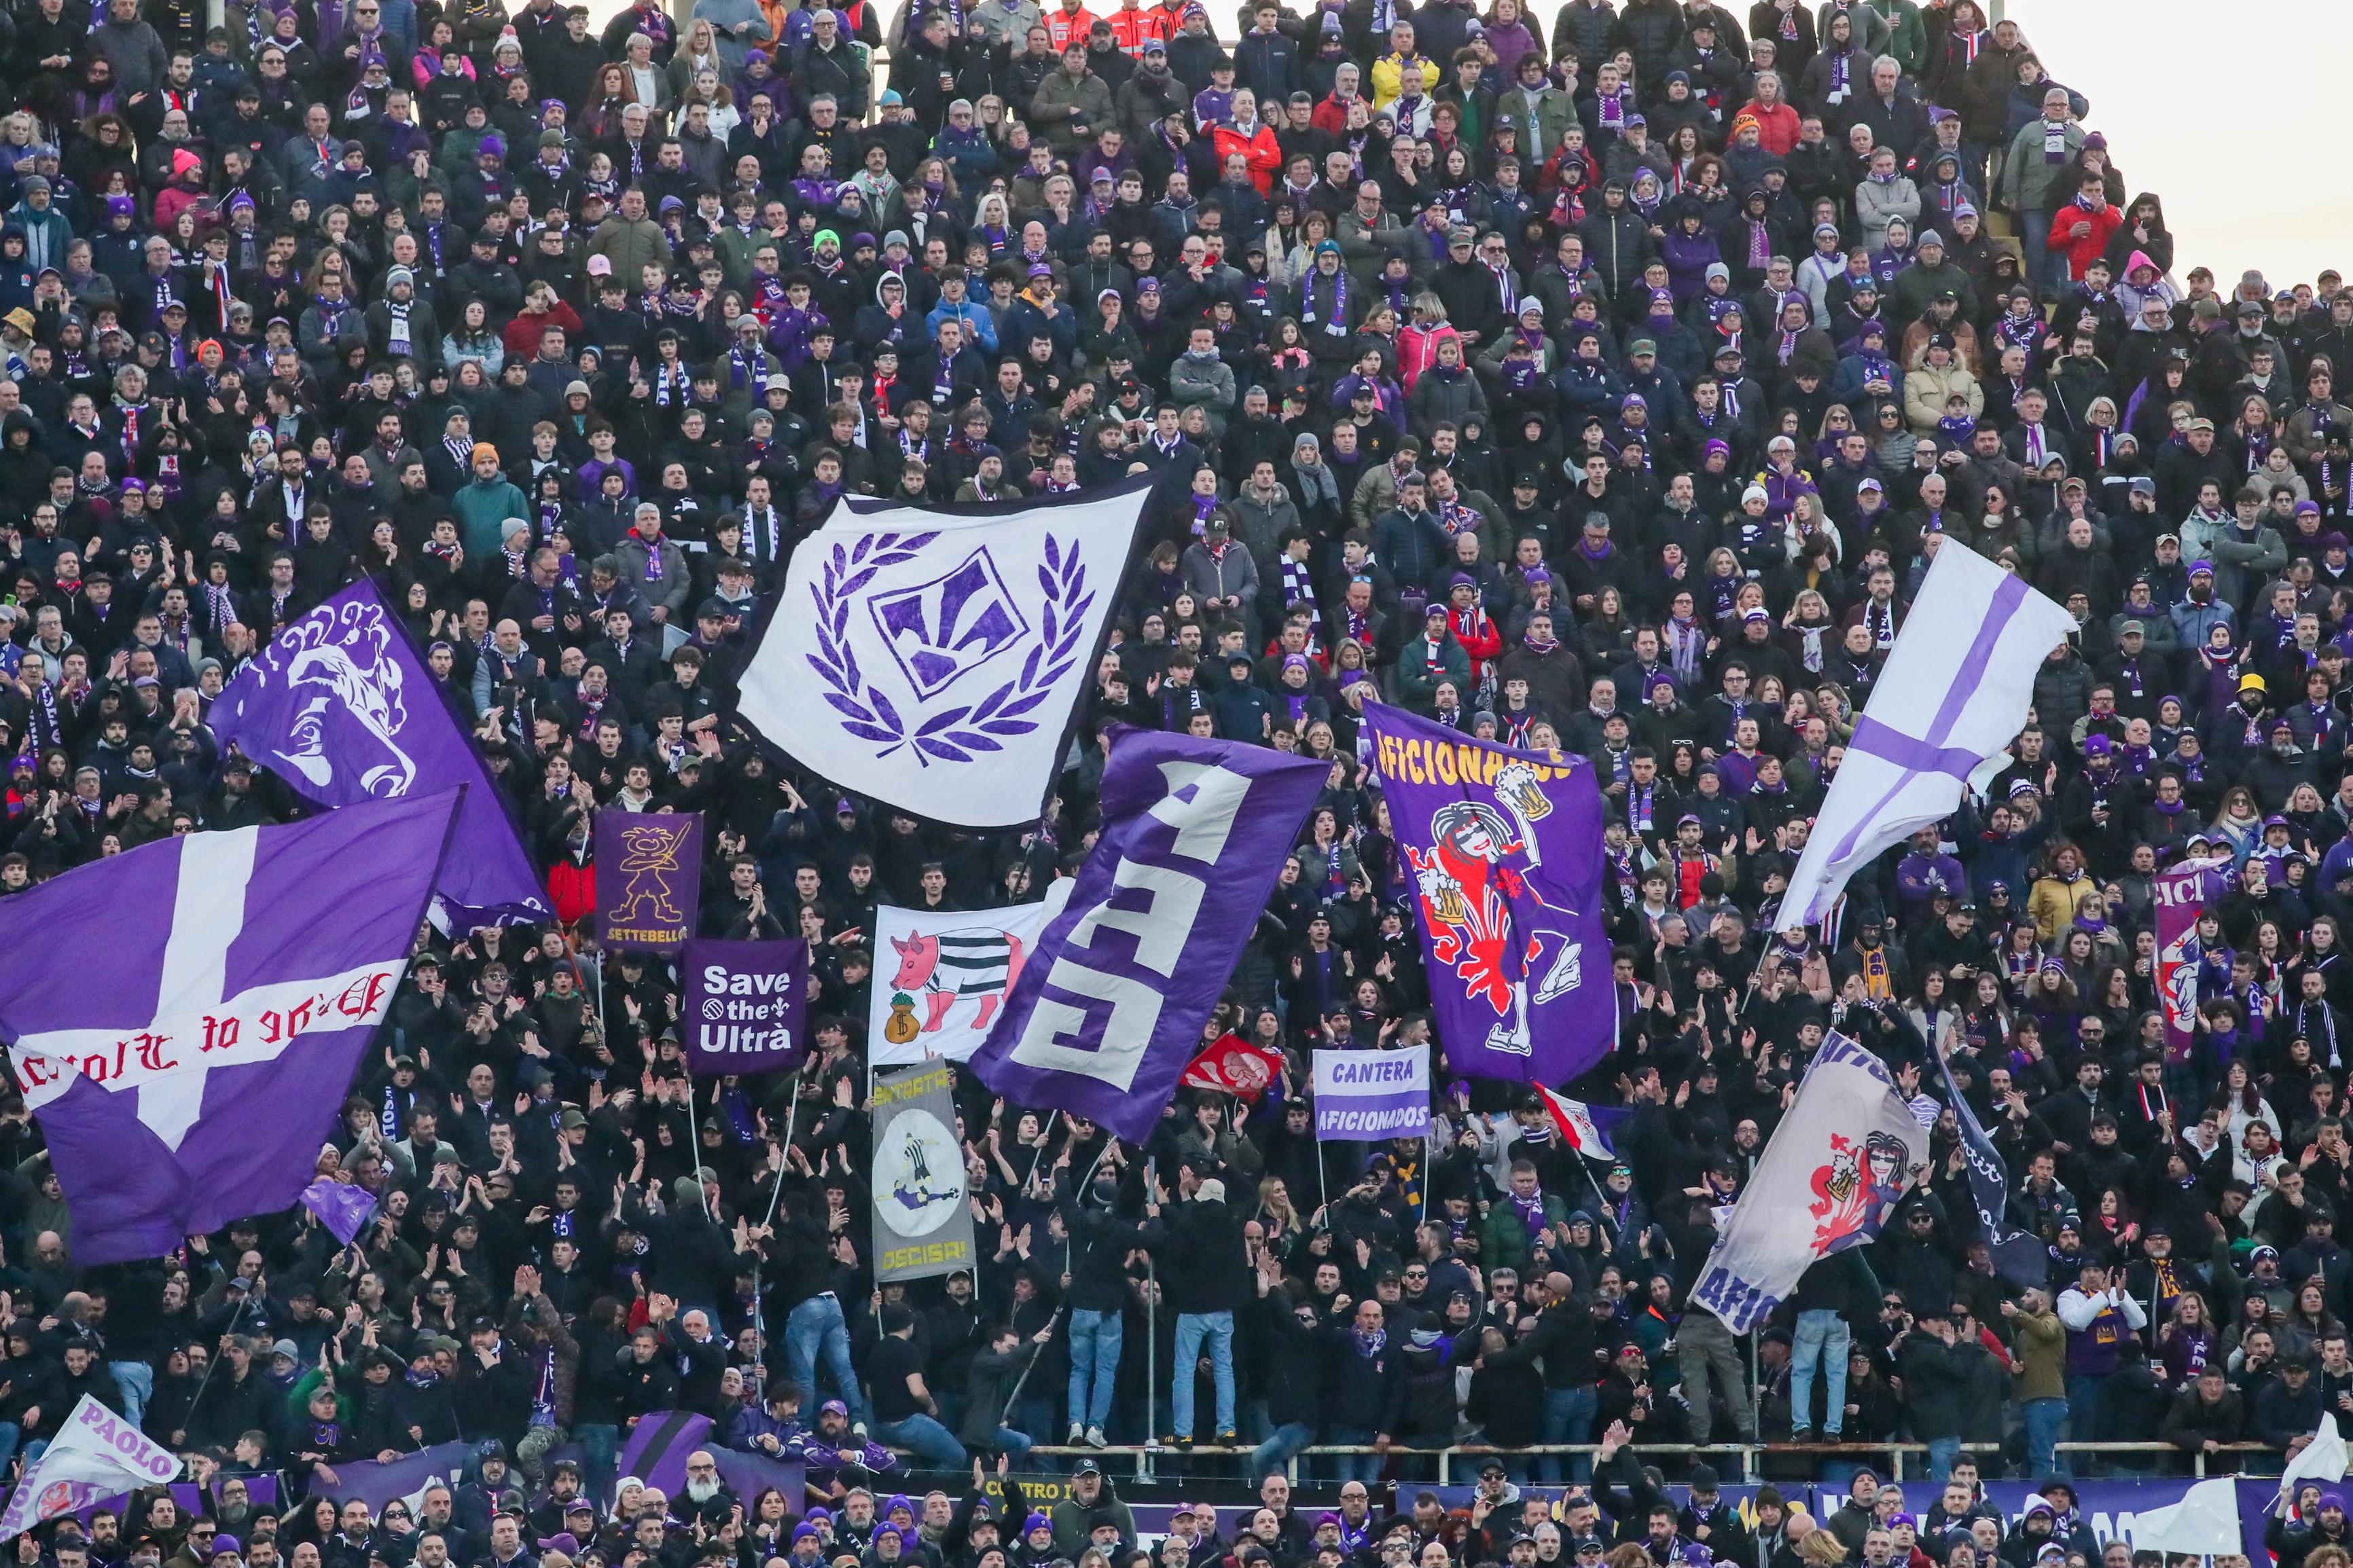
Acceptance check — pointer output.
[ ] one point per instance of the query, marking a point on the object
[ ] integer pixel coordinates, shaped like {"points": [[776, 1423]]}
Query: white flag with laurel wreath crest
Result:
{"points": [[932, 659]]}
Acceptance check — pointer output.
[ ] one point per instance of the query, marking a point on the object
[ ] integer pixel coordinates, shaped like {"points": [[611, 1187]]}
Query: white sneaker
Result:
{"points": [[1095, 1438], [857, 1430], [1078, 1435]]}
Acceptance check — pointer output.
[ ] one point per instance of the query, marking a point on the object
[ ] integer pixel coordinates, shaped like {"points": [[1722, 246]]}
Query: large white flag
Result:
{"points": [[97, 1455], [1955, 692], [947, 976], [1841, 1157], [932, 659]]}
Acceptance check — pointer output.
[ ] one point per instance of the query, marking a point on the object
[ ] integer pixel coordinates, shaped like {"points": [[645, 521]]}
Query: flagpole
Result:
{"points": [[1151, 1321], [775, 1191]]}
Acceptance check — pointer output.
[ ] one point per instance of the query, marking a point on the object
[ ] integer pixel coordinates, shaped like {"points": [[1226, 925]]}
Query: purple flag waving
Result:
{"points": [[379, 1481], [1505, 851], [1109, 1009], [744, 1004], [186, 1065], [341, 707], [344, 1207]]}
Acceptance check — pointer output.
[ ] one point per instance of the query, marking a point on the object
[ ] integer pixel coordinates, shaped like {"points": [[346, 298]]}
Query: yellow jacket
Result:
{"points": [[1388, 74]]}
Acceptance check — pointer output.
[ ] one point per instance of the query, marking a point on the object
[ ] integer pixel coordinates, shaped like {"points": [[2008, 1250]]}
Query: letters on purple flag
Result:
{"points": [[187, 1064], [1109, 1010], [1504, 850], [648, 877], [341, 707], [744, 1004]]}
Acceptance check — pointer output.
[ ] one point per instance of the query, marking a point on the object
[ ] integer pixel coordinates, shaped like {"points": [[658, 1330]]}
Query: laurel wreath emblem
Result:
{"points": [[951, 734]]}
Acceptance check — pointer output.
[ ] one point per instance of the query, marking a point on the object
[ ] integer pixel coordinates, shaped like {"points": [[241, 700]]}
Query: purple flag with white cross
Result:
{"points": [[1108, 1011], [188, 1062], [341, 707]]}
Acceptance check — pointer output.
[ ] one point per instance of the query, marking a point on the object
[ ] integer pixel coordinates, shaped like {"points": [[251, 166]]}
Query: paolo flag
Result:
{"points": [[186, 1065], [744, 1004], [1841, 1157], [1504, 850], [933, 659], [1955, 691], [95, 1456], [921, 1226], [648, 877], [1110, 1009], [341, 706]]}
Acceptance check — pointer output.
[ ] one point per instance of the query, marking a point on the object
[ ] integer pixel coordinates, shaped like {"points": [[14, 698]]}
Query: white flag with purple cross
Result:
{"points": [[932, 657], [1955, 691]]}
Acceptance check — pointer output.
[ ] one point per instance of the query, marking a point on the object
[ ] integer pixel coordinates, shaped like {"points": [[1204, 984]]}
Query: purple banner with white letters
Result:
{"points": [[1109, 1010], [744, 1002], [188, 1062], [2181, 894], [341, 707], [1505, 847]]}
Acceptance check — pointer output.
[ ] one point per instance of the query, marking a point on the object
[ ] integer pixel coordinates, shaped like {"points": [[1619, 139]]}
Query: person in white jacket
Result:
{"points": [[2098, 1317]]}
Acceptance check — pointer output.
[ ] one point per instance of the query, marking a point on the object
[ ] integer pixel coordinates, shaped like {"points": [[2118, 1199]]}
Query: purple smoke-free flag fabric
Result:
{"points": [[341, 1206], [341, 707], [1109, 1010], [656, 1453], [1505, 851], [648, 877], [379, 1481], [744, 1004], [186, 1063]]}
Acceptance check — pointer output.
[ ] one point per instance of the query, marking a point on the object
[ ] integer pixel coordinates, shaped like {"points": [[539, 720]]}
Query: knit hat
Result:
{"points": [[492, 146], [484, 450]]}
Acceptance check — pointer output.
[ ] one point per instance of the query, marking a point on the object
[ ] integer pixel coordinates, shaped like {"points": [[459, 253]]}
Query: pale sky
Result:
{"points": [[2149, 68]]}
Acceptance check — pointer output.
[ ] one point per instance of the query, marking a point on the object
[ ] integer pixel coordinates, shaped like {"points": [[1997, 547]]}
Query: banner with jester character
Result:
{"points": [[1843, 1154], [2181, 893], [1504, 849]]}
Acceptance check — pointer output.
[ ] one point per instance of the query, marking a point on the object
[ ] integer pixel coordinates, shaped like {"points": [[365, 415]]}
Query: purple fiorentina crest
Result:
{"points": [[342, 708], [943, 629], [648, 877], [186, 1065]]}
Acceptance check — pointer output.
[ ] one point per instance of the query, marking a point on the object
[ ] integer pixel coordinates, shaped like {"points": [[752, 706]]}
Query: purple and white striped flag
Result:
{"points": [[1965, 709], [187, 1064]]}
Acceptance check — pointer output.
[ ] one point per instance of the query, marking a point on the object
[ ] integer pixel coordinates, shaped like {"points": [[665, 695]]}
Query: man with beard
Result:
{"points": [[708, 1501]]}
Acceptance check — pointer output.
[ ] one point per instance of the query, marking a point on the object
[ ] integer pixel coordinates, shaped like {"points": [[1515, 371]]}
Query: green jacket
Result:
{"points": [[1420, 669], [1907, 37], [2030, 181], [481, 507], [1503, 1241]]}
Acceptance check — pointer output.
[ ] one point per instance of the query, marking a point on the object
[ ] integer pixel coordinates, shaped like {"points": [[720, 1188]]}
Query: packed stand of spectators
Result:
{"points": [[1604, 382]]}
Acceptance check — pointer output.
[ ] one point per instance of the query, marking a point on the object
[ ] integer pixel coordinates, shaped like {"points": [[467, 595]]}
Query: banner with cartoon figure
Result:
{"points": [[2181, 894], [921, 1226], [648, 877], [1841, 1157], [1504, 850], [940, 979]]}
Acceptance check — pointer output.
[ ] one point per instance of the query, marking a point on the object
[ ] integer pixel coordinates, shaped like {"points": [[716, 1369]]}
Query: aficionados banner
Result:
{"points": [[2180, 893], [921, 1226], [96, 1455], [1366, 1096], [941, 979], [648, 877], [186, 1063], [341, 707], [932, 659], [744, 1004], [1505, 847], [1841, 1157], [1105, 1017]]}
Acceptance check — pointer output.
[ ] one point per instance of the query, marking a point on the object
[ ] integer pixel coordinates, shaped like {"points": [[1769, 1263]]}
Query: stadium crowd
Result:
{"points": [[1603, 381]]}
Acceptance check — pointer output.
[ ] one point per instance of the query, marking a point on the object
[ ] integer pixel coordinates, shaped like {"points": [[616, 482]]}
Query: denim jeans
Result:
{"points": [[815, 1328], [1094, 1358], [1365, 1468], [1567, 1418], [1821, 1341], [136, 1379], [2042, 1418], [2087, 1407], [10, 1436], [1942, 1452], [1289, 1441], [933, 1446], [1194, 1330]]}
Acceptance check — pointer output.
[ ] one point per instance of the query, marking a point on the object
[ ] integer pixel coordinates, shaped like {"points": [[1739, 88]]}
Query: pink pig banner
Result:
{"points": [[941, 978]]}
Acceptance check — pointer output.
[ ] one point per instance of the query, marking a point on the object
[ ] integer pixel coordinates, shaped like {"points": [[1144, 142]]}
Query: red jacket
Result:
{"points": [[1262, 152], [2081, 253]]}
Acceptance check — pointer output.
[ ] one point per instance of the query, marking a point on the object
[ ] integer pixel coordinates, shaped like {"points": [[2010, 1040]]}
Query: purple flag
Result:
{"points": [[1505, 851], [379, 1481], [343, 1207], [648, 877], [341, 707], [657, 1448], [188, 1062], [1109, 1010], [2183, 893], [744, 1004]]}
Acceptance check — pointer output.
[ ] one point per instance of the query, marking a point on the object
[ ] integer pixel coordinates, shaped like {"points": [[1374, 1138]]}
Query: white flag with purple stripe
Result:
{"points": [[1955, 691]]}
